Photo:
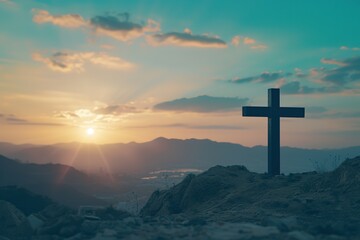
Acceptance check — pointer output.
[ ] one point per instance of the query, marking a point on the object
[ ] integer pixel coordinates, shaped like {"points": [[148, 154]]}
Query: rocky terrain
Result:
{"points": [[221, 203]]}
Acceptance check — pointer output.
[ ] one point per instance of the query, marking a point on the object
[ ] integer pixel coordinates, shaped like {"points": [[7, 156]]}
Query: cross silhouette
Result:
{"points": [[273, 112]]}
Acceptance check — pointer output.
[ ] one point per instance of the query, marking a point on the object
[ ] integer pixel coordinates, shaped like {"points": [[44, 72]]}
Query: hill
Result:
{"points": [[61, 183], [321, 203], [24, 200]]}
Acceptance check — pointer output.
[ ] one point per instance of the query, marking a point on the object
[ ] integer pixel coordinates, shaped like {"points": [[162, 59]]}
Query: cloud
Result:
{"points": [[115, 110], [345, 48], [186, 39], [110, 61], [339, 79], [98, 115], [11, 119], [348, 71], [331, 61], [191, 126], [315, 109], [121, 29], [321, 112], [248, 40], [74, 61], [295, 87], [343, 78], [259, 47], [203, 104], [66, 21], [237, 40], [9, 3], [266, 77], [116, 26]]}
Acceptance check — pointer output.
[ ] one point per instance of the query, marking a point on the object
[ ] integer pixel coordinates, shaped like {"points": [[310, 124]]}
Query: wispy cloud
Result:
{"points": [[259, 47], [346, 48], [340, 79], [266, 77], [66, 21], [120, 28], [321, 112], [186, 39], [117, 26], [12, 119], [98, 115], [8, 3], [348, 71], [296, 87], [343, 78], [203, 104], [238, 40], [74, 61], [190, 126], [332, 61]]}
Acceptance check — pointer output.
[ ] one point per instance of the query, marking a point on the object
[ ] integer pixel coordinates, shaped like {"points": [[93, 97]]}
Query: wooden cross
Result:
{"points": [[273, 112]]}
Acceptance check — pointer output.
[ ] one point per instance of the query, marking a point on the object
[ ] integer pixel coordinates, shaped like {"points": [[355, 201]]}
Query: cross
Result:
{"points": [[273, 112]]}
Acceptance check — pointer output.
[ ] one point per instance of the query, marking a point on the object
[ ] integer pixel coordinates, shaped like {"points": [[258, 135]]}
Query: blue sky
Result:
{"points": [[66, 66]]}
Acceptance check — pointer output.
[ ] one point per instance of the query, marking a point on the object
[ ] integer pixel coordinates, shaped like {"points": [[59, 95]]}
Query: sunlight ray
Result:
{"points": [[105, 163], [69, 164]]}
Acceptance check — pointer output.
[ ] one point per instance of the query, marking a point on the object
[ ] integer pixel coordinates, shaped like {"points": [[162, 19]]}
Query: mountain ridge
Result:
{"points": [[164, 153]]}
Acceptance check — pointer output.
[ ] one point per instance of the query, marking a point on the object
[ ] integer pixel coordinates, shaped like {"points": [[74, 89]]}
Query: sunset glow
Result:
{"points": [[182, 74]]}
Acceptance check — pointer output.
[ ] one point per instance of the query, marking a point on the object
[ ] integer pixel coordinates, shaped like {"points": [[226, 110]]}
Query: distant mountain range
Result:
{"points": [[161, 153]]}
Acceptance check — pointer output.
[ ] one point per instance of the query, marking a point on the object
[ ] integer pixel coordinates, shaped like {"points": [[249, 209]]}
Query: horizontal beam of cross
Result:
{"points": [[290, 112]]}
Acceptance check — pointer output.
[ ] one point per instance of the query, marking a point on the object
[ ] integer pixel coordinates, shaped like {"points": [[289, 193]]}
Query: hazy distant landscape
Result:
{"points": [[78, 174], [139, 159]]}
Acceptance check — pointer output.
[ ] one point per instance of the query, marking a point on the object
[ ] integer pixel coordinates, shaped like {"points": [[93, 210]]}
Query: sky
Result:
{"points": [[120, 71]]}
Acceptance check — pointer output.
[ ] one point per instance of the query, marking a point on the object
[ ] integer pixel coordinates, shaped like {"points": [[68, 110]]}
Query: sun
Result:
{"points": [[90, 131]]}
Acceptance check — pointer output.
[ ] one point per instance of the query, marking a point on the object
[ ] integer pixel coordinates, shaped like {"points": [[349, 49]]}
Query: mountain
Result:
{"points": [[7, 148], [162, 153], [61, 183]]}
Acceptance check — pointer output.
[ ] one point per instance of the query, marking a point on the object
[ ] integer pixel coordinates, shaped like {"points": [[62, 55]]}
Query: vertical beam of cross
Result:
{"points": [[274, 131], [273, 112]]}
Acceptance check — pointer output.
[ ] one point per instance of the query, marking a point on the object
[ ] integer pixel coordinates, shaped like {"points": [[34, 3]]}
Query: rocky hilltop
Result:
{"points": [[326, 203]]}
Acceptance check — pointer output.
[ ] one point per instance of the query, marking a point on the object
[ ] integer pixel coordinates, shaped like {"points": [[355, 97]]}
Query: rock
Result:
{"points": [[65, 226], [68, 231], [256, 230], [234, 231], [13, 223], [195, 222], [109, 232], [111, 213], [299, 235], [35, 222], [55, 211], [132, 221], [89, 228], [283, 224]]}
